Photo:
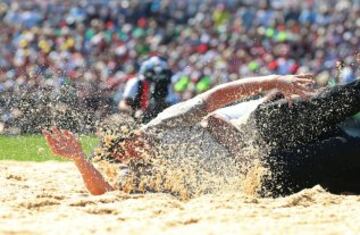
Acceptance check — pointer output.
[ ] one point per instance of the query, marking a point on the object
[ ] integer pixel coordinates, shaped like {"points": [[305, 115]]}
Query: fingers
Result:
{"points": [[71, 138], [62, 135], [68, 135], [62, 143], [53, 144], [305, 76], [49, 139], [57, 137], [300, 90], [300, 93], [304, 81], [56, 133], [303, 94], [288, 100], [45, 133], [298, 85], [303, 87]]}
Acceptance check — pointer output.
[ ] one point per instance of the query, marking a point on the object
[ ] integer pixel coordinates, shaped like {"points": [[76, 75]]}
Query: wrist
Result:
{"points": [[79, 158]]}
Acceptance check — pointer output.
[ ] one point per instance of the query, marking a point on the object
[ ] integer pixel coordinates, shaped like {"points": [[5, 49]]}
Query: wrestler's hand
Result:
{"points": [[63, 143], [299, 85]]}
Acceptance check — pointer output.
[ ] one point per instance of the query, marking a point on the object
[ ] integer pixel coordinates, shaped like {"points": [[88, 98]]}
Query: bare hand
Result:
{"points": [[63, 143], [295, 85]]}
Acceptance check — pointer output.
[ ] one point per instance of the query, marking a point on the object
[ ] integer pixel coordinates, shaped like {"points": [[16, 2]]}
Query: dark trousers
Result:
{"points": [[333, 163], [306, 147]]}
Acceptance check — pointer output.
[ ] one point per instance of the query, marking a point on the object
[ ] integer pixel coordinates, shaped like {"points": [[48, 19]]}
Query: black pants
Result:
{"points": [[305, 145], [333, 163]]}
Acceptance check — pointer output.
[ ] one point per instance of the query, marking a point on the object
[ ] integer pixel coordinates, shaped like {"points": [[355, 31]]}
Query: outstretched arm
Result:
{"points": [[228, 93], [63, 143]]}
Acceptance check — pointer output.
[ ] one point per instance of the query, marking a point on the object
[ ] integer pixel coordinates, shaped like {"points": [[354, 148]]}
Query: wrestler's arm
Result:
{"points": [[228, 93], [65, 144]]}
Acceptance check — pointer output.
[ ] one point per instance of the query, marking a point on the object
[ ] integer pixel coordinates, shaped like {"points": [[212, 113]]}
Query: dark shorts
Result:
{"points": [[333, 163], [305, 145]]}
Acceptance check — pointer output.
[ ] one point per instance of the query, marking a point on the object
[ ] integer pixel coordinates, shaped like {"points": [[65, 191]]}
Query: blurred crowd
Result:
{"points": [[95, 46]]}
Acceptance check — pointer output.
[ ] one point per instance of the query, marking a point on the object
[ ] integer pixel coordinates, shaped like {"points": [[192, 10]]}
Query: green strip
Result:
{"points": [[34, 148]]}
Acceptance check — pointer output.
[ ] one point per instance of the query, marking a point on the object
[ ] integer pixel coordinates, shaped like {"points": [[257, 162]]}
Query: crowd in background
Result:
{"points": [[95, 46]]}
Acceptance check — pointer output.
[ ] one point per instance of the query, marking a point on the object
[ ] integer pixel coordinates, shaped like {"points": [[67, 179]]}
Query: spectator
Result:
{"points": [[98, 44], [146, 95]]}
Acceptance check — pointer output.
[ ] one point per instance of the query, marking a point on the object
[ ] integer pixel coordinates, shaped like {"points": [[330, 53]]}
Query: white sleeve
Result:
{"points": [[186, 113], [131, 89], [238, 110]]}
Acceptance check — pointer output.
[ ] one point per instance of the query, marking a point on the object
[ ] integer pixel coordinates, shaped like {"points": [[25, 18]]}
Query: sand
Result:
{"points": [[49, 198]]}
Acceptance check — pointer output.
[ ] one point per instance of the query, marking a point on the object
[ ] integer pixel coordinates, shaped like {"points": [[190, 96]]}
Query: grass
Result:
{"points": [[34, 148]]}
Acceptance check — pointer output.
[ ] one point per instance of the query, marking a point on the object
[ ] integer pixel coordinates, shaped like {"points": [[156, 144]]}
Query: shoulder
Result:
{"points": [[131, 87], [133, 81]]}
